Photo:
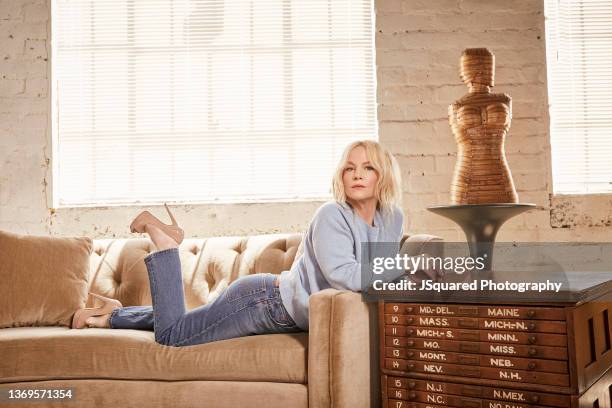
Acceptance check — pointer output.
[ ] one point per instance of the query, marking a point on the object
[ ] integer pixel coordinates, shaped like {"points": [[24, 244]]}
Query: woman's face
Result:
{"points": [[359, 177]]}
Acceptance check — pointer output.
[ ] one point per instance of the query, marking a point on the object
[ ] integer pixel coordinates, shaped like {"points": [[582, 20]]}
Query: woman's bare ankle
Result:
{"points": [[102, 322], [160, 239]]}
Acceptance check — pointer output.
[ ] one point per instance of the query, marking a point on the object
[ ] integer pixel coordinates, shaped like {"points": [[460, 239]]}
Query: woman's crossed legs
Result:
{"points": [[250, 305]]}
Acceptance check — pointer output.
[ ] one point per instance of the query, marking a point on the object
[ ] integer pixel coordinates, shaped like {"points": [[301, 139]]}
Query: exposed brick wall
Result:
{"points": [[418, 44], [24, 114]]}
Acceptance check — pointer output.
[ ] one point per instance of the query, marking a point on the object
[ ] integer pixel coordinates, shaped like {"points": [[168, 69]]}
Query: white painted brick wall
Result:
{"points": [[418, 47], [24, 114], [419, 43]]}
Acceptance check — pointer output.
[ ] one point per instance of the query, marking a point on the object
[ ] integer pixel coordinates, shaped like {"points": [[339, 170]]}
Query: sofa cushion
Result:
{"points": [[46, 353], [44, 279]]}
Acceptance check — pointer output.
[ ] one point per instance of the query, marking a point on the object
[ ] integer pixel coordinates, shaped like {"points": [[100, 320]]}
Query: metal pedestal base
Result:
{"points": [[480, 223]]}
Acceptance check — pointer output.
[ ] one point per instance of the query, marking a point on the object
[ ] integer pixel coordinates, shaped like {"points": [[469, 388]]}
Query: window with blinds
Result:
{"points": [[579, 59], [207, 100]]}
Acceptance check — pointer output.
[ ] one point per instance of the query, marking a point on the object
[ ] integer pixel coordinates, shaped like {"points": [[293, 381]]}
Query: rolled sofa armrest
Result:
{"points": [[415, 244], [342, 351]]}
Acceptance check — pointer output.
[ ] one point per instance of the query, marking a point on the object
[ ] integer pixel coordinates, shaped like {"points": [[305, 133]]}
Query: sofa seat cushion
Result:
{"points": [[43, 353]]}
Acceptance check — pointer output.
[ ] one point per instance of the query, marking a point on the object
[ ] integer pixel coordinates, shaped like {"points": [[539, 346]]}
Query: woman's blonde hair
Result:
{"points": [[388, 189]]}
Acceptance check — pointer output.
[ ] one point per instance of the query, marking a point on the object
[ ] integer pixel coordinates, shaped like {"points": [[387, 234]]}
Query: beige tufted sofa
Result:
{"points": [[334, 365]]}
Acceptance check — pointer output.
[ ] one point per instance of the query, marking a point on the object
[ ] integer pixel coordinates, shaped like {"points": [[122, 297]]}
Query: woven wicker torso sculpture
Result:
{"points": [[480, 121]]}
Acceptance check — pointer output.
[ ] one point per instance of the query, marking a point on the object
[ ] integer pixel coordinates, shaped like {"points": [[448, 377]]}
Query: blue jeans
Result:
{"points": [[249, 305]]}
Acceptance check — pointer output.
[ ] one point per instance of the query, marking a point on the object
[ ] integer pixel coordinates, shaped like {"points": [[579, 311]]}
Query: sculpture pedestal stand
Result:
{"points": [[480, 223]]}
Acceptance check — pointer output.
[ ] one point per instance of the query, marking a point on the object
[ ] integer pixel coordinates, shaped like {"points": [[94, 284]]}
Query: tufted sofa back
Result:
{"points": [[209, 265]]}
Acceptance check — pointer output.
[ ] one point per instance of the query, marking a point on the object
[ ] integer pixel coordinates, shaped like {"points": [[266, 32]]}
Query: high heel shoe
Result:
{"points": [[81, 315], [173, 231]]}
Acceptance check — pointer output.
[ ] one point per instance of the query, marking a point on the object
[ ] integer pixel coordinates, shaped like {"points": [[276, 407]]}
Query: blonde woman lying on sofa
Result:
{"points": [[367, 194]]}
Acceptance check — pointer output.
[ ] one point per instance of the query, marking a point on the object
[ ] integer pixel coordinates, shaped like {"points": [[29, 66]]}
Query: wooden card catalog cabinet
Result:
{"points": [[499, 355]]}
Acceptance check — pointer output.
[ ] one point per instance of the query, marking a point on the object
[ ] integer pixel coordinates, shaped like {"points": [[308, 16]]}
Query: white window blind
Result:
{"points": [[579, 58], [207, 100]]}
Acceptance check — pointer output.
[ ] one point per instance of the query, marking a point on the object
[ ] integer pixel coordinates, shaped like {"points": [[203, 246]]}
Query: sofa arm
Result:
{"points": [[342, 351]]}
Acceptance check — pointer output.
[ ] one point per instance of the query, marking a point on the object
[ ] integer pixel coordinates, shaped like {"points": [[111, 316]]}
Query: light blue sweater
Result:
{"points": [[332, 254]]}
